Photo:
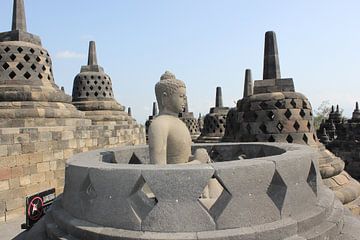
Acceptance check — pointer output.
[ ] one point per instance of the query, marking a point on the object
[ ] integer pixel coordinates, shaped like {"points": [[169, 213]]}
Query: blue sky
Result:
{"points": [[206, 43]]}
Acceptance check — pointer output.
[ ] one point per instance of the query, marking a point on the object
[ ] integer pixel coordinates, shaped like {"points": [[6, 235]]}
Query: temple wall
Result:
{"points": [[33, 159]]}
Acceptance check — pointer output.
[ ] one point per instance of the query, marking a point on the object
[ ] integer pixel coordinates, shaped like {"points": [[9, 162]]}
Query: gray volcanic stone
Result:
{"points": [[178, 208], [242, 208]]}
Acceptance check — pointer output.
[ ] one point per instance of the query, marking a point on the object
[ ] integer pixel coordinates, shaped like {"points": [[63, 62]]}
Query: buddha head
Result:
{"points": [[170, 94]]}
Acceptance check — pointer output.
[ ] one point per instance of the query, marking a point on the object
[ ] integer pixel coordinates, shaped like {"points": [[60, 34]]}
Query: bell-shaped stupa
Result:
{"points": [[93, 94], [29, 96]]}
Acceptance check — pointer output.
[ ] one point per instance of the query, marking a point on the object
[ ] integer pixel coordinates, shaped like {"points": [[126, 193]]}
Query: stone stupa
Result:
{"points": [[93, 94], [215, 121], [276, 113], [29, 96]]}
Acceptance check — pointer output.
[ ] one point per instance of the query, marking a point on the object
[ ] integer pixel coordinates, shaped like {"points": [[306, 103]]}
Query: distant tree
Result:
{"points": [[322, 112]]}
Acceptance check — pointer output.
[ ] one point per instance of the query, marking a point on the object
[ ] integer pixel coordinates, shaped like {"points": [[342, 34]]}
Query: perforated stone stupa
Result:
{"points": [[276, 113], [344, 138], [191, 122], [93, 93], [28, 93], [215, 121]]}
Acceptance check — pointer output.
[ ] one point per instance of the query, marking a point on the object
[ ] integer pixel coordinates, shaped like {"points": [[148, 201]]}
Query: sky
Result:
{"points": [[205, 43]]}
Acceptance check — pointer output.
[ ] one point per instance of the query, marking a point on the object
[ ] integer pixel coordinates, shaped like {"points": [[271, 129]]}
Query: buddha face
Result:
{"points": [[175, 102]]}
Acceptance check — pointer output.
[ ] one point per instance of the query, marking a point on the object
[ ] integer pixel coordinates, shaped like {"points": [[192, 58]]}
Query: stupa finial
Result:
{"points": [[218, 101], [271, 57], [92, 59], [248, 84], [129, 111], [19, 19], [357, 106]]}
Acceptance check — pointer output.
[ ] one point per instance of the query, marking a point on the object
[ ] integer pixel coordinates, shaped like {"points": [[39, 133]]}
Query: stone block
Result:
{"points": [[45, 136], [25, 180], [14, 149], [22, 138], [5, 173], [6, 139], [15, 203], [17, 171], [22, 160], [3, 150], [4, 185], [67, 135], [28, 147], [243, 208], [178, 208], [36, 158], [15, 183], [37, 178], [43, 167]]}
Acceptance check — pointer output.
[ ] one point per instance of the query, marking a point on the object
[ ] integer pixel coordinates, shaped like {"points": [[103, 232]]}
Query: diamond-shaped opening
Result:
{"points": [[47, 60], [278, 104], [99, 88], [311, 179], [263, 128], [38, 59], [277, 190], [142, 199], [41, 52], [48, 77], [32, 50], [12, 57], [20, 49], [27, 75], [7, 49], [40, 76], [0, 57], [12, 75], [104, 94], [87, 190], [305, 138], [302, 113], [289, 139], [43, 68], [95, 82], [215, 197], [91, 87], [309, 125], [26, 58], [5, 66], [271, 115], [20, 66], [288, 114], [293, 103], [96, 94], [271, 139], [305, 105], [296, 125], [134, 159], [279, 126], [33, 67], [263, 105]]}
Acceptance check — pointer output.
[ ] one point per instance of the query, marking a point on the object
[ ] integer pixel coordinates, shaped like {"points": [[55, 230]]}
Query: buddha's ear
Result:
{"points": [[164, 95]]}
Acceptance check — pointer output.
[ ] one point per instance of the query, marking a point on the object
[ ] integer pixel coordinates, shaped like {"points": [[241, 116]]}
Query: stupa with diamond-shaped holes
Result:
{"points": [[93, 94], [271, 111], [29, 96]]}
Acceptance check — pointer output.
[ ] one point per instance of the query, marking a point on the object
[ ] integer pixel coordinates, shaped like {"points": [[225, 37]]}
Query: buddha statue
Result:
{"points": [[169, 138]]}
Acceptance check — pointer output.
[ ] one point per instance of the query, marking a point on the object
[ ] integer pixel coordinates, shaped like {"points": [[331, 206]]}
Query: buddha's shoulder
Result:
{"points": [[163, 119]]}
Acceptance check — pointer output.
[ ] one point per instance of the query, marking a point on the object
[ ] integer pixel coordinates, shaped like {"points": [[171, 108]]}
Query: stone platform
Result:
{"points": [[164, 202]]}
